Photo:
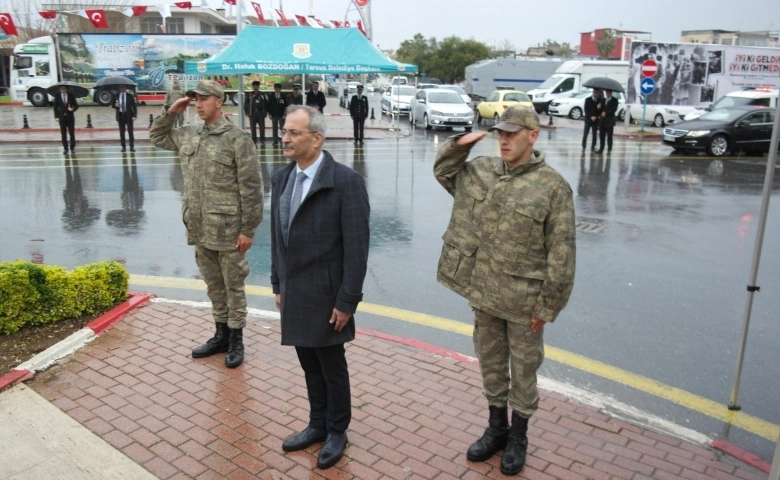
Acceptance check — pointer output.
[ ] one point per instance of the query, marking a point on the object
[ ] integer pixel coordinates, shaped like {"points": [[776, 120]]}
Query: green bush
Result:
{"points": [[33, 294]]}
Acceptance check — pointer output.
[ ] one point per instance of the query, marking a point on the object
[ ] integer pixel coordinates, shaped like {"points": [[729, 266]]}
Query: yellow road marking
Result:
{"points": [[697, 403]]}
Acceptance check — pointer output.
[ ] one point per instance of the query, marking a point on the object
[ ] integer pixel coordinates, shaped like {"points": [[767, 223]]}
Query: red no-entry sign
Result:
{"points": [[649, 68]]}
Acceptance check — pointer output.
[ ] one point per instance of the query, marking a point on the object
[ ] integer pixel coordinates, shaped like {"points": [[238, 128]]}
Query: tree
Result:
{"points": [[606, 43], [446, 60], [505, 49]]}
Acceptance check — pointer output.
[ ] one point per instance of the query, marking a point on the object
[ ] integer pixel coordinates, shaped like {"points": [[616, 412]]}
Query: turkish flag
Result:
{"points": [[319, 23], [138, 11], [98, 18], [7, 24], [48, 14], [186, 5], [301, 20], [361, 3], [336, 23], [283, 17], [360, 27], [230, 2], [346, 24], [259, 12]]}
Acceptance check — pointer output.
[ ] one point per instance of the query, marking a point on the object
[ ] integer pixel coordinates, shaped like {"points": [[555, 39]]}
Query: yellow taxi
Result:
{"points": [[495, 104]]}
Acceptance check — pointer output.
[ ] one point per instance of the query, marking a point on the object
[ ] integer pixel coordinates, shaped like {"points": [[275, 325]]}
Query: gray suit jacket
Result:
{"points": [[324, 263]]}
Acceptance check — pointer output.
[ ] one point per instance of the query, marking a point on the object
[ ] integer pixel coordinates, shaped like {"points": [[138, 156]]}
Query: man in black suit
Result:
{"points": [[64, 106], [315, 98], [608, 111], [358, 110], [126, 113], [319, 254], [277, 104], [255, 107], [592, 112]]}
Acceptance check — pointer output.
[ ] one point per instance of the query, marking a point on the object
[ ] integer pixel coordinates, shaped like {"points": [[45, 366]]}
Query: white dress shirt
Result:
{"points": [[311, 172]]}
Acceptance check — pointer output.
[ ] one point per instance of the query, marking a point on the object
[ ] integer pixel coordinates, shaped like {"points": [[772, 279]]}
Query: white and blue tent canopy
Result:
{"points": [[298, 50]]}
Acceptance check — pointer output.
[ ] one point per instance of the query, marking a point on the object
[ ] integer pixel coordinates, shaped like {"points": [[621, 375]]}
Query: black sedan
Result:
{"points": [[746, 128]]}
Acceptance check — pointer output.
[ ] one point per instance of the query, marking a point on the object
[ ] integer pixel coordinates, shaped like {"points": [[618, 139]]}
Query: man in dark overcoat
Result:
{"points": [[319, 252], [592, 113], [607, 127], [126, 113], [315, 98], [255, 107], [277, 104]]}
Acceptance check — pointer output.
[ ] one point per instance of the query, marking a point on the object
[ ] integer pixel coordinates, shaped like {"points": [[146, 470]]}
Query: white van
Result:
{"points": [[399, 81]]}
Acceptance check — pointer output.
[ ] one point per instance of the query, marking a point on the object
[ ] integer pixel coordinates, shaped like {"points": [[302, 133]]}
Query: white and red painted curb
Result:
{"points": [[43, 360]]}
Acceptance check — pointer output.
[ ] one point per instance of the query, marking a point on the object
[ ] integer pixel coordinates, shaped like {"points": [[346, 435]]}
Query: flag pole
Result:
{"points": [[240, 94]]}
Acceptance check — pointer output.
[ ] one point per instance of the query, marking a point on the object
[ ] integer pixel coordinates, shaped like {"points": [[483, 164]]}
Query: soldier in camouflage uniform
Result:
{"points": [[222, 205], [509, 249], [175, 93]]}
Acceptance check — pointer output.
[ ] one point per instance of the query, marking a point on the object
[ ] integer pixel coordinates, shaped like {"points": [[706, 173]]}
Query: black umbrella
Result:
{"points": [[77, 90], [604, 83], [114, 81]]}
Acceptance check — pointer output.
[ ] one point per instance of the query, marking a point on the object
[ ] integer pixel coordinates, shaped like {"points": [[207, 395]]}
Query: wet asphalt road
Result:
{"points": [[663, 256]]}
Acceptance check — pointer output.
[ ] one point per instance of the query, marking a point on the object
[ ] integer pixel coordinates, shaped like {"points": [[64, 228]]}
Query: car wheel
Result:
{"points": [[622, 115], [411, 120], [718, 146], [38, 97], [425, 122], [658, 121], [496, 119], [576, 113], [104, 98]]}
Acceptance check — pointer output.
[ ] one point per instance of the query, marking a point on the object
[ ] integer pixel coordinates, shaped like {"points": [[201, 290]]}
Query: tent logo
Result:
{"points": [[202, 67], [301, 50]]}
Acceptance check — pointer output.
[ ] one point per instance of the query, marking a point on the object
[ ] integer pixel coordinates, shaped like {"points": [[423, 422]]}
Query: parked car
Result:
{"points": [[659, 115], [459, 90], [495, 104], [758, 96], [436, 107], [422, 86], [724, 130], [395, 100], [574, 106]]}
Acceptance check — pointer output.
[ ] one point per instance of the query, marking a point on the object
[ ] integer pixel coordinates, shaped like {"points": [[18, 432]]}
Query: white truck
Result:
{"points": [[485, 76], [570, 76], [690, 76], [152, 61]]}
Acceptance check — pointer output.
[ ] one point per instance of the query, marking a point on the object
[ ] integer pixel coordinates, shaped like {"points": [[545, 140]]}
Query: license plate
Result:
{"points": [[670, 138], [456, 120]]}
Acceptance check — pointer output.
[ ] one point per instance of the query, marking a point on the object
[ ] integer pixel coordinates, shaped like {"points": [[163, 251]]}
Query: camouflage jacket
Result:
{"points": [[509, 247], [223, 186], [173, 95]]}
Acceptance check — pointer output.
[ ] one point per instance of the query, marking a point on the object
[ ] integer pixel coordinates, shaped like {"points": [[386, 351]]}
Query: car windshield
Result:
{"points": [[731, 102], [444, 97], [550, 82], [454, 88], [409, 91], [516, 97], [722, 115]]}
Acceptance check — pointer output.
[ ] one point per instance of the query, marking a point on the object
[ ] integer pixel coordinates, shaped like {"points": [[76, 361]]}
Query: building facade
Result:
{"points": [[623, 41]]}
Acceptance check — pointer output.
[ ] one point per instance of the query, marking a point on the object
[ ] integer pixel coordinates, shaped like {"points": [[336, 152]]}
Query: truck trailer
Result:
{"points": [[152, 61], [690, 76], [569, 78], [486, 76]]}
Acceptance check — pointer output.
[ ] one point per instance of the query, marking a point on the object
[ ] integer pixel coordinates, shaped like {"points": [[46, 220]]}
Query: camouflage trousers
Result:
{"points": [[509, 355], [224, 274]]}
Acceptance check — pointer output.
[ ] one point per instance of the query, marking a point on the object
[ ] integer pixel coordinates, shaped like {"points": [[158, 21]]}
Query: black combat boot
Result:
{"points": [[217, 344], [516, 446], [235, 352], [494, 438]]}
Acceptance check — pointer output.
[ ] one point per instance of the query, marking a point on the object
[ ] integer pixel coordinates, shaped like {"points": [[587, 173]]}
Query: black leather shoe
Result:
{"points": [[65, 151], [123, 149], [132, 149], [304, 439], [332, 451], [600, 151], [72, 150], [217, 344]]}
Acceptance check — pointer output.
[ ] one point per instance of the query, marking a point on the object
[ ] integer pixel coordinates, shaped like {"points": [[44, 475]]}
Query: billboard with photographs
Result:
{"points": [[696, 74]]}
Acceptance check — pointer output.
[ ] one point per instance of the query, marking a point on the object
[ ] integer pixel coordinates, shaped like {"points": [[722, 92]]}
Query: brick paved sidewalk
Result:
{"points": [[414, 412]]}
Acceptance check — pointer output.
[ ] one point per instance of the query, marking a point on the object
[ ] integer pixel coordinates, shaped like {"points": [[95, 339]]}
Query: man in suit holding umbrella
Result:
{"points": [[126, 113], [64, 106], [610, 106]]}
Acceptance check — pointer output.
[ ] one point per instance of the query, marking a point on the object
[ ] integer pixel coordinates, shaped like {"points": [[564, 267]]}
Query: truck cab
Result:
{"points": [[33, 70]]}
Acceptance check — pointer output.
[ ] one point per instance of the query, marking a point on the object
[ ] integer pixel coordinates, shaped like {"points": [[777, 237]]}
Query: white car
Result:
{"points": [[574, 106], [395, 100], [437, 107], [756, 96], [660, 115], [459, 90]]}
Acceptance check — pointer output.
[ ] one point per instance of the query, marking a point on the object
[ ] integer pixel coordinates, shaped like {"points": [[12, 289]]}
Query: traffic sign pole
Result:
{"points": [[644, 111], [648, 70]]}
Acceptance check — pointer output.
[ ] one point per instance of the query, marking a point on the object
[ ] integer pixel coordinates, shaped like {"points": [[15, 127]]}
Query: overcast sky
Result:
{"points": [[526, 23]]}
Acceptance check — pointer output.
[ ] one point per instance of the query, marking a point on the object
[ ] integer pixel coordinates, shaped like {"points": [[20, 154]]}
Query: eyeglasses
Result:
{"points": [[294, 133]]}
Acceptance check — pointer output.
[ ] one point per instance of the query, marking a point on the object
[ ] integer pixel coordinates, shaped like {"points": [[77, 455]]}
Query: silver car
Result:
{"points": [[440, 108]]}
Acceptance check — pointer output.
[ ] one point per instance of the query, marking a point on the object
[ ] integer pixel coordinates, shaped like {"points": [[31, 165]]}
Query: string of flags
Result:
{"points": [[99, 20]]}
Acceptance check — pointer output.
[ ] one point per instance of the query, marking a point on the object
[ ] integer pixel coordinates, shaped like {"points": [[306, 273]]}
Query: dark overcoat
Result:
{"points": [[610, 109], [323, 265]]}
